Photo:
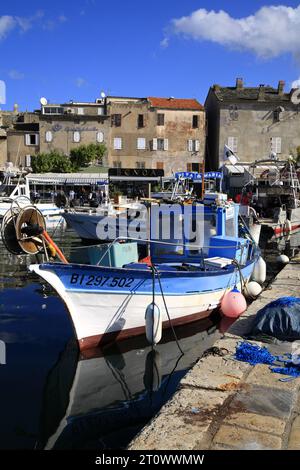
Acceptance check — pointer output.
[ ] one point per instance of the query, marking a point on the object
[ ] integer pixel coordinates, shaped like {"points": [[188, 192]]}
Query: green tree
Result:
{"points": [[54, 162], [85, 154]]}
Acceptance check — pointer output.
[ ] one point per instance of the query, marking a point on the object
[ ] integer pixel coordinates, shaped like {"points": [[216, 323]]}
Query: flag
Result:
{"points": [[230, 155]]}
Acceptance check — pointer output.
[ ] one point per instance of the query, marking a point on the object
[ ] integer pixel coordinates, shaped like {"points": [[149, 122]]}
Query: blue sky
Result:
{"points": [[63, 50]]}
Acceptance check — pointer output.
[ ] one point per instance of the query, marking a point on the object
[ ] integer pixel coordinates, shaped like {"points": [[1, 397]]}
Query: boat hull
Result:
{"points": [[109, 304]]}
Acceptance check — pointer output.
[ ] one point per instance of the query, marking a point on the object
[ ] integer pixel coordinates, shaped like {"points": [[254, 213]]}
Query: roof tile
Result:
{"points": [[175, 103]]}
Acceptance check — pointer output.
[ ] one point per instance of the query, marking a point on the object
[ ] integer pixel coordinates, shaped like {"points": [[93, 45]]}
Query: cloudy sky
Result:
{"points": [[63, 50]]}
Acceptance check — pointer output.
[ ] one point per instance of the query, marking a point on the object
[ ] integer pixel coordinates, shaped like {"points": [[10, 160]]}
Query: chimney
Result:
{"points": [[261, 92], [216, 87], [239, 83], [280, 88]]}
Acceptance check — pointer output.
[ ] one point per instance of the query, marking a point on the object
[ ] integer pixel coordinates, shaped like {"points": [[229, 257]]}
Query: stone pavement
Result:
{"points": [[222, 403]]}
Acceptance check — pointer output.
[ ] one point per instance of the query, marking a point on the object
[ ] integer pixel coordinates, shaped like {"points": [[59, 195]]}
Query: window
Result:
{"points": [[276, 144], [76, 136], [27, 160], [116, 120], [193, 145], [195, 121], [31, 139], [99, 137], [160, 144], [141, 143], [80, 110], [196, 167], [233, 112], [101, 111], [233, 144], [117, 164], [118, 143], [140, 121], [160, 119], [140, 165], [278, 114], [53, 110], [49, 136], [159, 165]]}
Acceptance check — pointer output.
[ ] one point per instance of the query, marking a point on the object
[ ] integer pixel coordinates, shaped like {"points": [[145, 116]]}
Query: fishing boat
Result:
{"points": [[18, 193], [189, 272]]}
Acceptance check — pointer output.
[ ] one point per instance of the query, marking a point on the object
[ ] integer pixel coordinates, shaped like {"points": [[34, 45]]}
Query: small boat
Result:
{"points": [[12, 194], [190, 271]]}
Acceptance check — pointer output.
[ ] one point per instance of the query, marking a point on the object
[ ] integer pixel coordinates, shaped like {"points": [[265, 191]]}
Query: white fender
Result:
{"points": [[288, 225], [252, 290], [259, 273], [283, 259], [153, 324], [255, 230]]}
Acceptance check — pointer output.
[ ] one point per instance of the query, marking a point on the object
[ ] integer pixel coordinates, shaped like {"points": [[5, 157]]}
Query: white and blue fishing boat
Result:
{"points": [[185, 281]]}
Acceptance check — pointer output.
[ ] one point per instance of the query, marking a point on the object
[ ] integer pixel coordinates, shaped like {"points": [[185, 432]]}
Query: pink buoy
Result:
{"points": [[233, 304]]}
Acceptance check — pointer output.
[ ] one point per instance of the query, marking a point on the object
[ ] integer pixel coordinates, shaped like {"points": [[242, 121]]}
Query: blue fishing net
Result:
{"points": [[253, 354], [247, 352]]}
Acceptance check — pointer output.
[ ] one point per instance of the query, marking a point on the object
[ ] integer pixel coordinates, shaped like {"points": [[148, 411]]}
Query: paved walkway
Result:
{"points": [[225, 404]]}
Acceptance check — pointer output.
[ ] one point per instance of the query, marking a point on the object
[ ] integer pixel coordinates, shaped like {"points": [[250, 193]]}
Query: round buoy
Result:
{"points": [[259, 273], [153, 324], [283, 259], [252, 290], [255, 230], [233, 304]]}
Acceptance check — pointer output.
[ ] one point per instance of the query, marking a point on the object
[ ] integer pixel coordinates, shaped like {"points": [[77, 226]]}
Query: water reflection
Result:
{"points": [[101, 401]]}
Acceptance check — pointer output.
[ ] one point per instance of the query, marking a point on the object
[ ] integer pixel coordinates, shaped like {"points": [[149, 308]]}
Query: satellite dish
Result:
{"points": [[103, 95], [295, 96], [43, 101]]}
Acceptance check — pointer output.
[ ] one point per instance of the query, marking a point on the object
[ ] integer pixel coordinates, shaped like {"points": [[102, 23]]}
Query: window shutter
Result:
{"points": [[233, 144], [100, 137], [190, 145], [197, 145], [27, 160], [49, 136], [166, 144], [76, 136], [154, 144], [278, 144], [27, 139], [37, 139], [189, 167]]}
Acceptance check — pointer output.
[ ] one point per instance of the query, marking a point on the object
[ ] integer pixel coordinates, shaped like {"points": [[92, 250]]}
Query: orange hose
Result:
{"points": [[58, 251]]}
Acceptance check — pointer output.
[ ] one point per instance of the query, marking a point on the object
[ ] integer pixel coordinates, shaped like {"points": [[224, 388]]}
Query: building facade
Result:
{"points": [[254, 122], [153, 133], [157, 133]]}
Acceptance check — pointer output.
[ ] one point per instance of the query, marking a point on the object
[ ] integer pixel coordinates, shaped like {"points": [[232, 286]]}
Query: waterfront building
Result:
{"points": [[254, 122]]}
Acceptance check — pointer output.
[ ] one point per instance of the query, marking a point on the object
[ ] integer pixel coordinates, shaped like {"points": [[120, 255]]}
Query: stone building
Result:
{"points": [[157, 133], [253, 121], [154, 133], [7, 119]]}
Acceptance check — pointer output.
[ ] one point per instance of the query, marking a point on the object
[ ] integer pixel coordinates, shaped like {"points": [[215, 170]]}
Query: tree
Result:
{"points": [[85, 154], [53, 161]]}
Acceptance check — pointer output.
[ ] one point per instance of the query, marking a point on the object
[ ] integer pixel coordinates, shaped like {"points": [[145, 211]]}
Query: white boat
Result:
{"points": [[19, 193]]}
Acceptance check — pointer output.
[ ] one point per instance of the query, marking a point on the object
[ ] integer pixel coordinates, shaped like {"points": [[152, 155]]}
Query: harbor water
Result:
{"points": [[51, 397]]}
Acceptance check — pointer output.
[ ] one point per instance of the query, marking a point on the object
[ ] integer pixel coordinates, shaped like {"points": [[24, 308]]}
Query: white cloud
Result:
{"points": [[296, 83], [80, 82], [16, 75], [271, 31], [164, 43], [7, 23]]}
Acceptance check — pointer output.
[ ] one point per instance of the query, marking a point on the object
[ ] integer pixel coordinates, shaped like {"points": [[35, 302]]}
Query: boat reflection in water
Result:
{"points": [[102, 399]]}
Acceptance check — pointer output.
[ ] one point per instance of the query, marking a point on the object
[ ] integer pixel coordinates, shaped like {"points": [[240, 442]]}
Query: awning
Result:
{"points": [[68, 178]]}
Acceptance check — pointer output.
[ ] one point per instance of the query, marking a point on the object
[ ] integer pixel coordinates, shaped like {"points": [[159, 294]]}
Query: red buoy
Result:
{"points": [[233, 304]]}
